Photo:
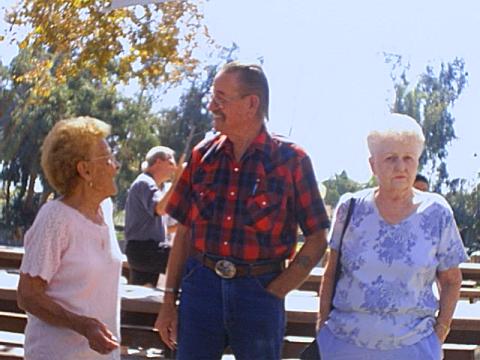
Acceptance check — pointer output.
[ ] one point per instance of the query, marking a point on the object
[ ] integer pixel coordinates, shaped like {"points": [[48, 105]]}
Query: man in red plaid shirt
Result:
{"points": [[238, 204]]}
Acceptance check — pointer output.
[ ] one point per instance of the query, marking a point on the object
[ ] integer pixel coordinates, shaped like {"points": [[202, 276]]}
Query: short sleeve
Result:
{"points": [[451, 251], [309, 207], [45, 242], [148, 194], [338, 221]]}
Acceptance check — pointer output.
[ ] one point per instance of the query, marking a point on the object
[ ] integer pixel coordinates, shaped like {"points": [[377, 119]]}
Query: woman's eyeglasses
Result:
{"points": [[111, 158]]}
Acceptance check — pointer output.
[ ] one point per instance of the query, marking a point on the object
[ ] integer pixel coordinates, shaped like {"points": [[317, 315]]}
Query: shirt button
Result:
{"points": [[229, 218], [225, 243], [232, 193], [264, 203], [236, 169], [202, 193]]}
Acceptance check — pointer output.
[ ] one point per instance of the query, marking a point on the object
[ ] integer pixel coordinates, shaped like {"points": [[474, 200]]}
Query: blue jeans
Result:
{"points": [[238, 312]]}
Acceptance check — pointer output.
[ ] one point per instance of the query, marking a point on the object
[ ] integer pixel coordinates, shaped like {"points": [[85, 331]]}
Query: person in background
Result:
{"points": [[398, 243], [238, 204], [421, 183], [147, 248], [170, 228], [70, 274]]}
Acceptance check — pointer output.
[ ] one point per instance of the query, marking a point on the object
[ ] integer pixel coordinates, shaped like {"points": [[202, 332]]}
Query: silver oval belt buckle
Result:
{"points": [[225, 269]]}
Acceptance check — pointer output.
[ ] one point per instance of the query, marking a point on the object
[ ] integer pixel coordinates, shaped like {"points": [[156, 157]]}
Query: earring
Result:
{"points": [[90, 183]]}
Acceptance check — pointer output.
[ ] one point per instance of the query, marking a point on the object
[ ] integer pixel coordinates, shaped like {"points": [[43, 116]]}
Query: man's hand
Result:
{"points": [[275, 289], [99, 337], [178, 170], [167, 324]]}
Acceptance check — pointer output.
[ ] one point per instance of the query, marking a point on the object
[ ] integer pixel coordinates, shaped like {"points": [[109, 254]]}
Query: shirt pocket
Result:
{"points": [[204, 197], [263, 207]]}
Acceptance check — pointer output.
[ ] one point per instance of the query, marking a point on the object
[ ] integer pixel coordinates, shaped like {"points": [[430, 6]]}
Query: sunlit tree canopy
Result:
{"points": [[153, 43]]}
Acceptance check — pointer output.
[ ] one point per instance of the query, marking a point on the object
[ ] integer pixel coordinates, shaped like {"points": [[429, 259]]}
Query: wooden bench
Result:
{"points": [[472, 294], [140, 306], [469, 284], [12, 326], [294, 345], [11, 345], [8, 352], [461, 352], [136, 340], [11, 257]]}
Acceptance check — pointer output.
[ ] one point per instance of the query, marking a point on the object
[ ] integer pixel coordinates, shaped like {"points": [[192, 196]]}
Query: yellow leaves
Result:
{"points": [[38, 29], [39, 78], [133, 42], [23, 44]]}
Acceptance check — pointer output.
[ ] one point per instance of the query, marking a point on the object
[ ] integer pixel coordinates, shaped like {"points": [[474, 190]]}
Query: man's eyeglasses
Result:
{"points": [[221, 100]]}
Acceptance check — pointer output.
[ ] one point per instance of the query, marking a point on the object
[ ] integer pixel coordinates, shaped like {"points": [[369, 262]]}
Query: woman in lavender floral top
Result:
{"points": [[399, 242]]}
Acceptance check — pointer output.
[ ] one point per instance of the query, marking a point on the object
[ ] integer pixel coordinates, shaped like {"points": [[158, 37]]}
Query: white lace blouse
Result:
{"points": [[81, 262]]}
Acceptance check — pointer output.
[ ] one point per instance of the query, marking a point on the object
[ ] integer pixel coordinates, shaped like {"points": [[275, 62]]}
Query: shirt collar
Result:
{"points": [[262, 142]]}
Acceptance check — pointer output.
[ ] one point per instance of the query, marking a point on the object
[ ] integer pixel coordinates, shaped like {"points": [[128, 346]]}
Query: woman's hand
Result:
{"points": [[320, 324], [99, 337], [442, 331]]}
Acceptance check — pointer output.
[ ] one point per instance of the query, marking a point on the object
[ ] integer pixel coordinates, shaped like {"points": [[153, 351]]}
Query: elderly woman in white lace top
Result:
{"points": [[399, 242], [70, 274]]}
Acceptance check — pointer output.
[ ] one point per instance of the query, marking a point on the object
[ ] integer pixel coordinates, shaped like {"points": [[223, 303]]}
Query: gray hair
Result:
{"points": [[252, 81], [157, 152], [396, 127]]}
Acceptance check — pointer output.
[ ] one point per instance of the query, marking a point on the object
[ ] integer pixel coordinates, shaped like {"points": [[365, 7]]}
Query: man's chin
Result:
{"points": [[218, 124]]}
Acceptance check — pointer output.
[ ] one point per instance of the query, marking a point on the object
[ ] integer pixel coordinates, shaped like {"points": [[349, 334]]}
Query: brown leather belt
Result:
{"points": [[227, 269]]}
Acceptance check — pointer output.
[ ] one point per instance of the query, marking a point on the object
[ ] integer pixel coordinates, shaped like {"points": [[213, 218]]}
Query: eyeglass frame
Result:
{"points": [[212, 97], [111, 158]]}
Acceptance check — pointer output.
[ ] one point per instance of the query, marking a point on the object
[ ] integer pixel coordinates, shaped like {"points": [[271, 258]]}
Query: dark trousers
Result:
{"points": [[146, 260]]}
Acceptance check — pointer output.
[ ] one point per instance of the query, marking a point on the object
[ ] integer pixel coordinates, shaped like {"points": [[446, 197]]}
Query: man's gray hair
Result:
{"points": [[157, 152], [252, 81]]}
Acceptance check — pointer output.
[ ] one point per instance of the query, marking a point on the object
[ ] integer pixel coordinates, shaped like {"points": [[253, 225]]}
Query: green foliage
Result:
{"points": [[26, 121], [192, 112], [27, 117], [466, 207], [430, 101], [339, 185], [135, 129]]}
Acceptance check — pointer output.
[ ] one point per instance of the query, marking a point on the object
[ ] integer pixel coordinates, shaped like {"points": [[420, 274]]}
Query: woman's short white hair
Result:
{"points": [[396, 127]]}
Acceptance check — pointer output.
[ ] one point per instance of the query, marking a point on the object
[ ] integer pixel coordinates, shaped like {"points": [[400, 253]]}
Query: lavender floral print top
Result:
{"points": [[384, 298]]}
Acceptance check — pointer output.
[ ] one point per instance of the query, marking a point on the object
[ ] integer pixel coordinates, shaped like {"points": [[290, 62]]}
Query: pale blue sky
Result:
{"points": [[328, 80]]}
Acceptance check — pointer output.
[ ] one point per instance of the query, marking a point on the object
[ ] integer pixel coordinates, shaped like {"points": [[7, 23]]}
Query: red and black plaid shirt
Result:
{"points": [[248, 210]]}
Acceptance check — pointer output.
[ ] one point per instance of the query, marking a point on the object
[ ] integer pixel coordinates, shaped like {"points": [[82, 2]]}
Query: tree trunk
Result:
{"points": [[28, 205]]}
